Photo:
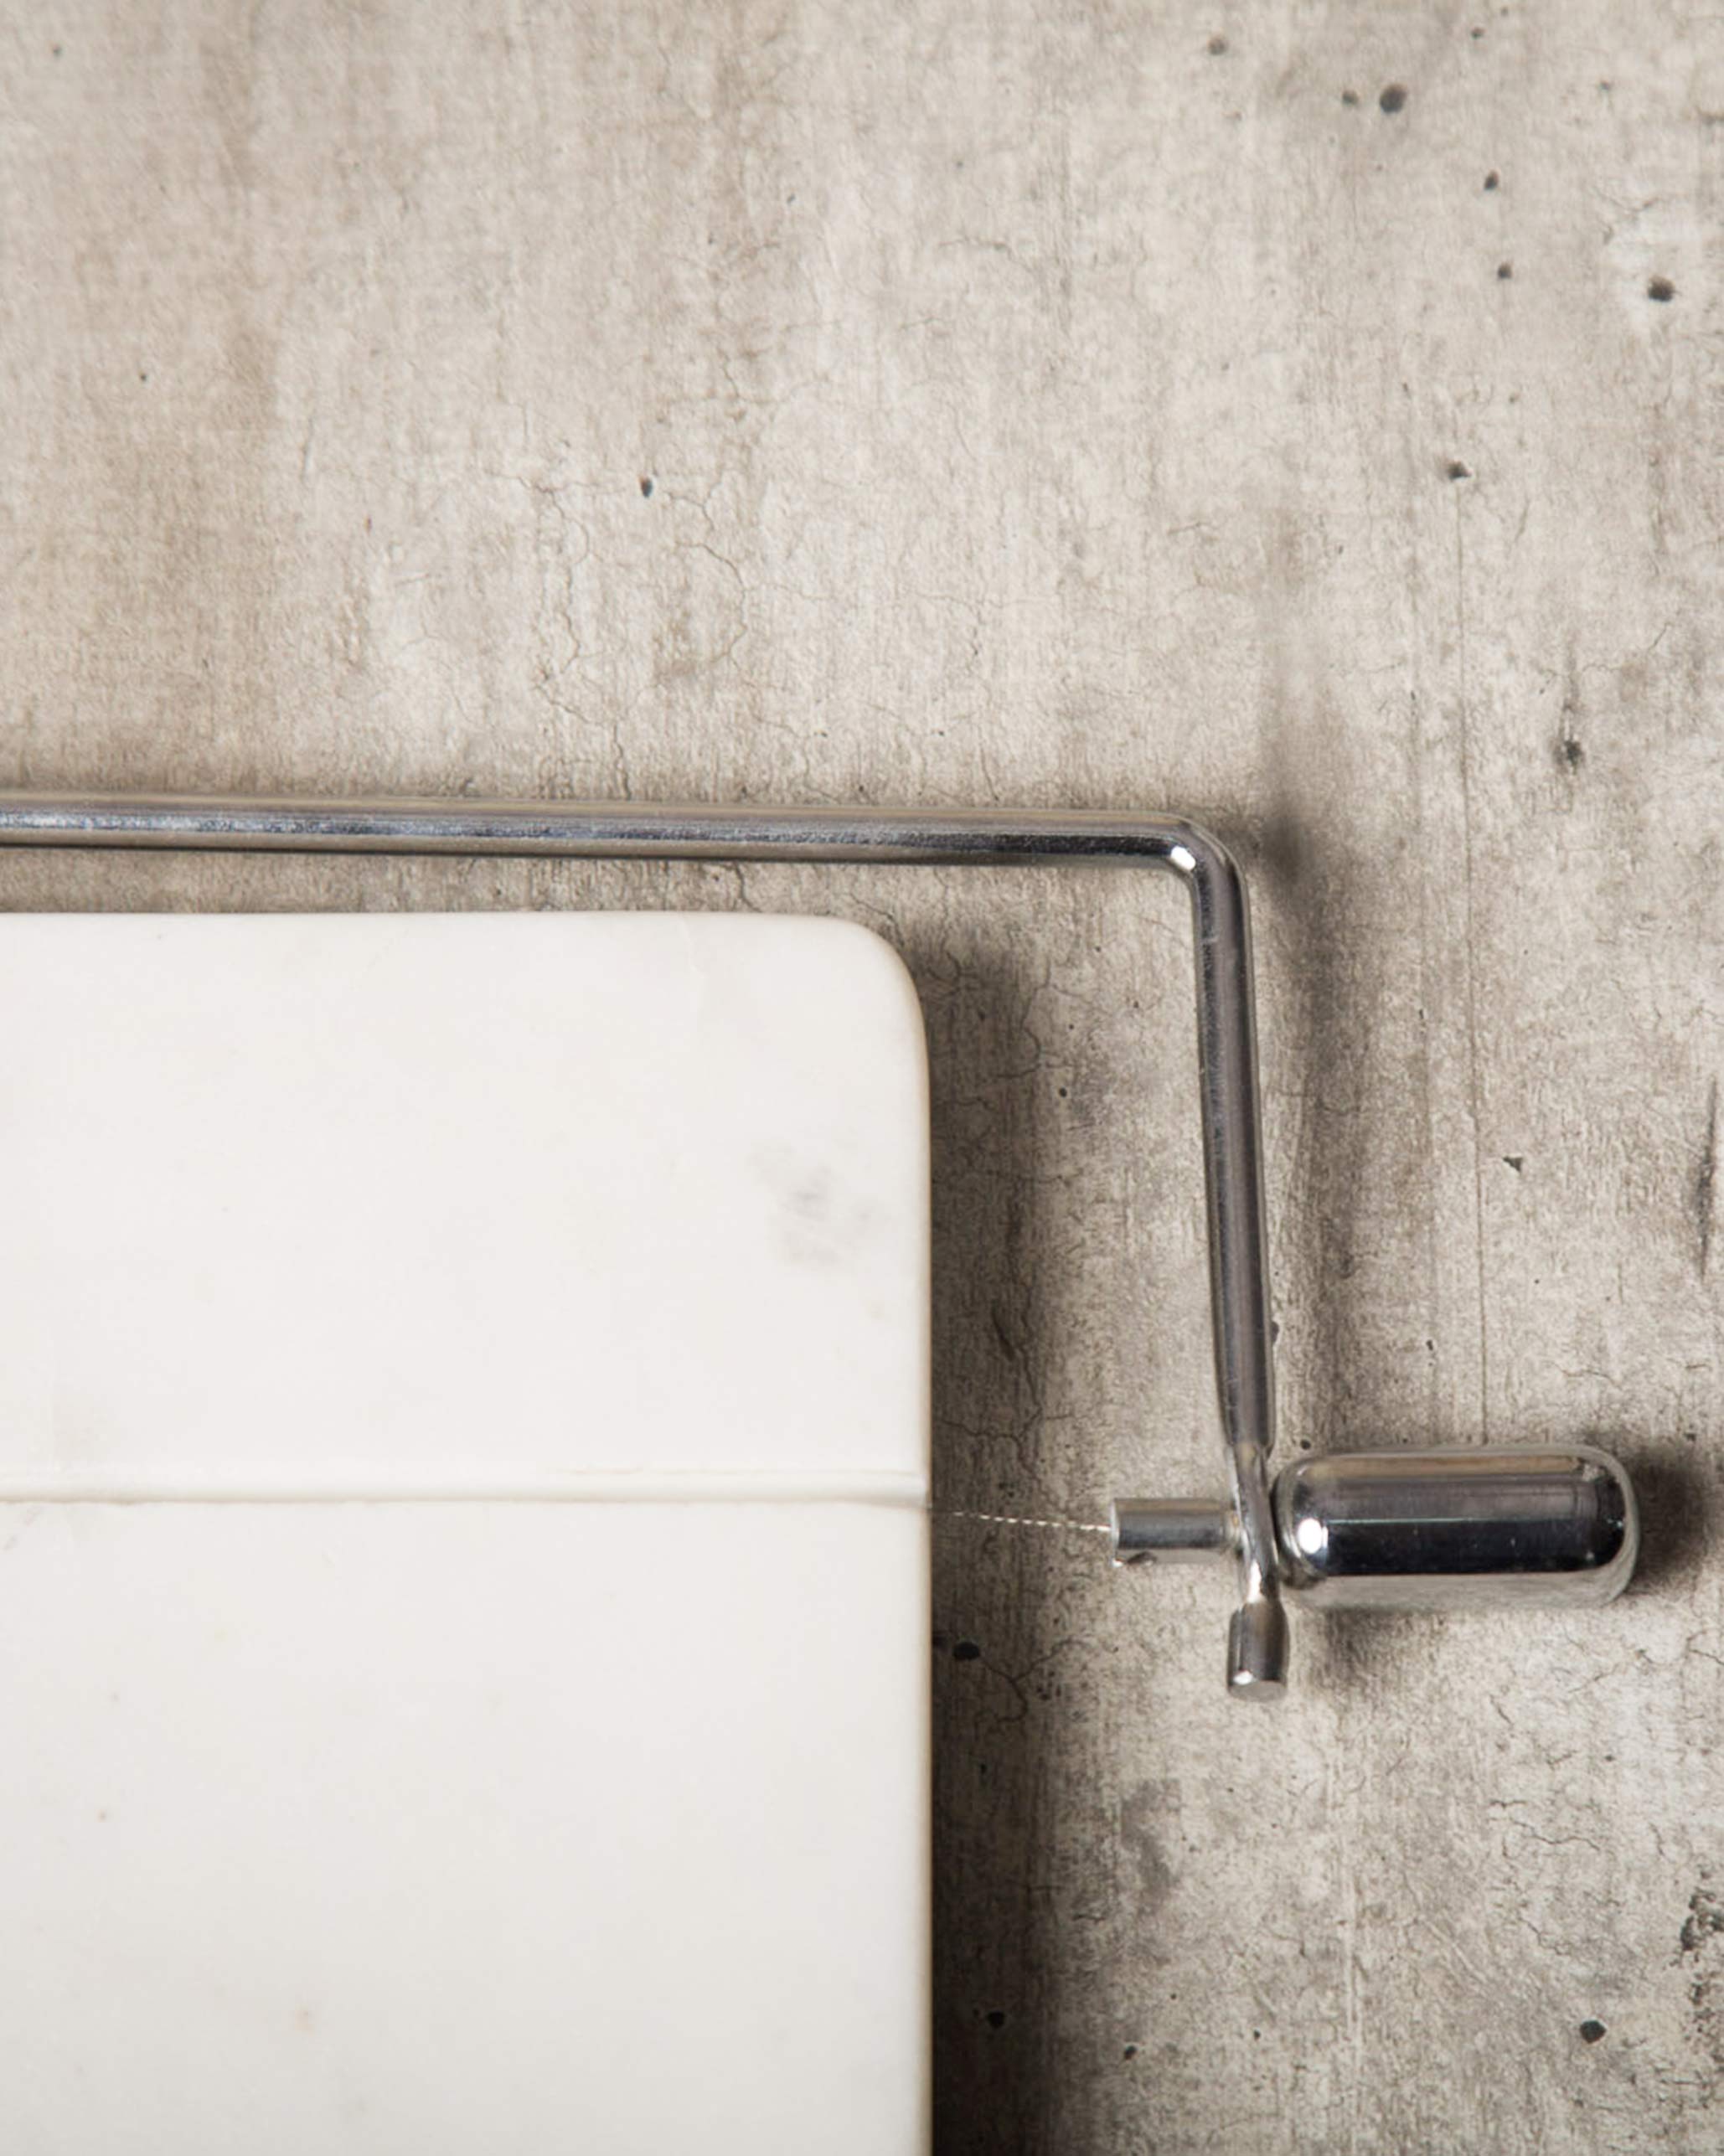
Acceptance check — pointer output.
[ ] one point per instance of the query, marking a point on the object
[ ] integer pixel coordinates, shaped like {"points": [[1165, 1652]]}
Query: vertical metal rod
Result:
{"points": [[1238, 1254], [1226, 1033]]}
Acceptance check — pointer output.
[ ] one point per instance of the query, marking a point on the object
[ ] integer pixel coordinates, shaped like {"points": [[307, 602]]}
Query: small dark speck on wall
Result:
{"points": [[1662, 290], [996, 2020], [1704, 1919], [1517, 1161], [1492, 181], [967, 1651], [1130, 2051], [1505, 271], [1349, 97], [1569, 752], [646, 490], [1457, 469], [1591, 2031], [1394, 98], [1217, 46]]}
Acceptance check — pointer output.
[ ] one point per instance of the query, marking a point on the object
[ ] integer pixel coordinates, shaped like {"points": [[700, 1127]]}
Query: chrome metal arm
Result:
{"points": [[1226, 1026]]}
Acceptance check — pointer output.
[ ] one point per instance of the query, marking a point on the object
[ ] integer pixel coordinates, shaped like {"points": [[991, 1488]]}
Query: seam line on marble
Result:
{"points": [[426, 1486]]}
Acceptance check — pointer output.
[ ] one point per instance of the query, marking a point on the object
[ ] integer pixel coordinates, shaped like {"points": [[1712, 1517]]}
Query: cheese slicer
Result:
{"points": [[1456, 1527]]}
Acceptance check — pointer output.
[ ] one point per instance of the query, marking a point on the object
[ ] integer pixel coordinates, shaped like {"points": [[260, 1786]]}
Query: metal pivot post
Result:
{"points": [[1387, 1528]]}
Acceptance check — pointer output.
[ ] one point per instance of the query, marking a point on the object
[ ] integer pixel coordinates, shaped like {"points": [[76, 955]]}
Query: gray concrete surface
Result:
{"points": [[1070, 402]]}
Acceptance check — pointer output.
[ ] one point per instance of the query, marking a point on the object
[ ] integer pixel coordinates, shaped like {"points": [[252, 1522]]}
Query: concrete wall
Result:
{"points": [[1301, 415]]}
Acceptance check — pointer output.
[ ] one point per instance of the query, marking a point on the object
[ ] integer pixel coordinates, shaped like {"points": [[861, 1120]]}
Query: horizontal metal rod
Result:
{"points": [[1172, 1530], [591, 830], [1226, 1033]]}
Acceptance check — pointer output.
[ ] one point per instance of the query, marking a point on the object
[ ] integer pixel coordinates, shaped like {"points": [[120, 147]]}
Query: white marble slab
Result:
{"points": [[462, 1462]]}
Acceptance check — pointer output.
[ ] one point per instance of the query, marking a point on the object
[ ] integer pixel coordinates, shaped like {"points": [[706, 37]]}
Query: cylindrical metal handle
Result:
{"points": [[1454, 1529]]}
